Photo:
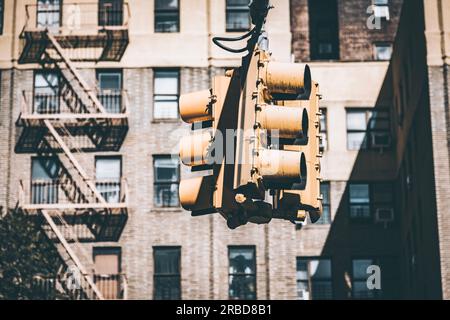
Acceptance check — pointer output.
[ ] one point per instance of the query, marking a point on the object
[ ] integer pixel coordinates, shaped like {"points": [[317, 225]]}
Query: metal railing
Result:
{"points": [[76, 17], [114, 102], [51, 191], [112, 287]]}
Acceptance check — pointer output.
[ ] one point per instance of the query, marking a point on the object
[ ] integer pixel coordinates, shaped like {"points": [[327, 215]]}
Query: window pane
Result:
{"points": [[242, 287], [302, 269], [383, 52], [166, 4], [166, 195], [166, 110], [242, 278], [360, 290], [167, 273], [322, 290], [166, 82], [359, 193], [320, 269], [238, 20], [110, 12], [108, 169], [242, 261], [303, 292], [166, 170], [360, 268], [44, 169], [356, 140], [356, 120], [166, 22]]}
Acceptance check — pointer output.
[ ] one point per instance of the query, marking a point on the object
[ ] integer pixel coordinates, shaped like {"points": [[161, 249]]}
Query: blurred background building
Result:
{"points": [[385, 129]]}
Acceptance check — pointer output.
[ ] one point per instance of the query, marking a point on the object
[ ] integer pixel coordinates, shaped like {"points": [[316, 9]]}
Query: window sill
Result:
{"points": [[167, 210], [162, 121]]}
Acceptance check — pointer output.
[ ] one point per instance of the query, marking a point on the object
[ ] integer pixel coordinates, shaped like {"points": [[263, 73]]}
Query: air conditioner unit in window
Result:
{"points": [[381, 12], [384, 215], [381, 140], [303, 295]]}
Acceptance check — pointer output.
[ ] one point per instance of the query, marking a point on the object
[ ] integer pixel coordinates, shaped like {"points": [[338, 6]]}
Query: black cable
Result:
{"points": [[217, 41]]}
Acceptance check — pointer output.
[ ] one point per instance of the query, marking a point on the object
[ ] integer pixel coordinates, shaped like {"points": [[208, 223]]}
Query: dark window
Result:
{"points": [[2, 11], [166, 181], [314, 281], [388, 280], [382, 51], [48, 14], [110, 90], [326, 214], [166, 94], [368, 201], [242, 273], [108, 175], [323, 130], [323, 29], [110, 13], [167, 280], [368, 129], [167, 16], [238, 15], [44, 180], [46, 92]]}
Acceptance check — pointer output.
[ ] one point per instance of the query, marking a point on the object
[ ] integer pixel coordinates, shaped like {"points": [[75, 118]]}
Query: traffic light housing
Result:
{"points": [[272, 112]]}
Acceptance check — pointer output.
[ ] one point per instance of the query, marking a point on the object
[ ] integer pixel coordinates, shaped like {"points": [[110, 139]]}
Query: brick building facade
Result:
{"points": [[166, 253]]}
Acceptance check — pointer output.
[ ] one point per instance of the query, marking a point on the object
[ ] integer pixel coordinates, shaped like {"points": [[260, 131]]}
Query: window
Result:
{"points": [[167, 16], [314, 280], [2, 11], [242, 273], [381, 9], [107, 265], [110, 13], [108, 175], [46, 92], [359, 201], [368, 129], [48, 14], [326, 213], [166, 180], [167, 280], [366, 199], [324, 30], [110, 90], [382, 51], [44, 180], [237, 15], [323, 130], [166, 94], [389, 272]]}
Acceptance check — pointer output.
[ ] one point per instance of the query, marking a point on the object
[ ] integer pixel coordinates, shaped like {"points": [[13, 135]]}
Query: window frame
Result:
{"points": [[381, 44], [232, 9], [157, 11], [2, 16], [253, 275], [167, 275], [308, 260], [155, 95], [368, 131], [323, 131], [170, 183], [373, 205], [57, 95], [60, 17], [119, 94]]}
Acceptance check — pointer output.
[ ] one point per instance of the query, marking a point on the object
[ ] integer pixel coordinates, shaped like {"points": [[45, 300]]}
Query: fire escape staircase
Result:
{"points": [[53, 136]]}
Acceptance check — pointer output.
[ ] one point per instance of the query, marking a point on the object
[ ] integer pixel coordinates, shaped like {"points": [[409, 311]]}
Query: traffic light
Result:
{"points": [[278, 141], [211, 113]]}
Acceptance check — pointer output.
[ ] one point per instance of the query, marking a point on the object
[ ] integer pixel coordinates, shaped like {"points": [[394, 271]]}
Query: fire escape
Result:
{"points": [[61, 124]]}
